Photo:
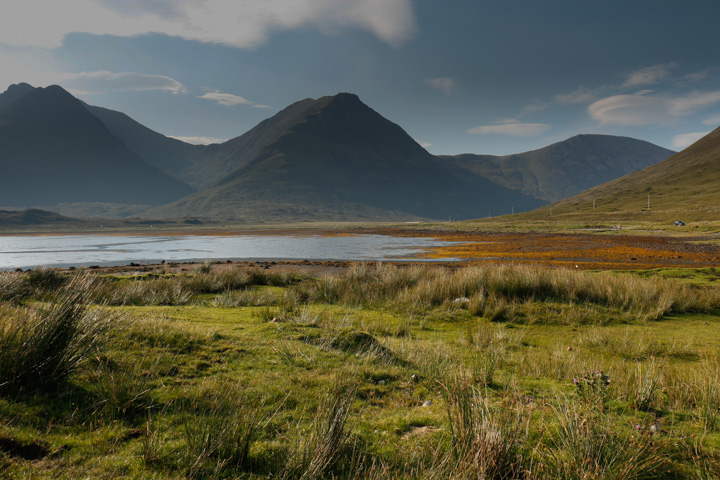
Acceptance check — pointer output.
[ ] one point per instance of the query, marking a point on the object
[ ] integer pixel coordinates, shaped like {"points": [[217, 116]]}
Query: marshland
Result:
{"points": [[376, 371]]}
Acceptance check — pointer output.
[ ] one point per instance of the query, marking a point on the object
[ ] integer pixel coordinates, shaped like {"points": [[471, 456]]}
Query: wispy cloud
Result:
{"points": [[686, 139], [637, 110], [649, 75], [578, 96], [226, 99], [512, 129], [230, 100], [89, 83], [712, 121], [199, 140], [424, 144], [446, 85], [243, 24]]}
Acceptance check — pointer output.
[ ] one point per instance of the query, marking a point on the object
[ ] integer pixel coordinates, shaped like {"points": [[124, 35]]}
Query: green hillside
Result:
{"points": [[684, 187]]}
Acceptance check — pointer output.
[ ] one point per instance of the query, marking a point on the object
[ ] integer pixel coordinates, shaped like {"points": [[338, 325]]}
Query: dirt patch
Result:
{"points": [[29, 451]]}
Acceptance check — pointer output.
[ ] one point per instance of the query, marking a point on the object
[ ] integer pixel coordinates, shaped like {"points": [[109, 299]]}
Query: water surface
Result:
{"points": [[84, 250]]}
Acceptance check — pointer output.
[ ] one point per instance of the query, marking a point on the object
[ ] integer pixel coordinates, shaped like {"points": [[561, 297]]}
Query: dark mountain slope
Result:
{"points": [[218, 161], [53, 150], [14, 92], [335, 158], [566, 168], [168, 154]]}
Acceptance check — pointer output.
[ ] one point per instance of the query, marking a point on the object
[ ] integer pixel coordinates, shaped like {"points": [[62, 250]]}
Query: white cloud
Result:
{"points": [[446, 85], [637, 110], [512, 129], [261, 106], [199, 140], [89, 83], [424, 144], [693, 102], [226, 99], [712, 121], [686, 139], [243, 24], [578, 96], [630, 110], [649, 75]]}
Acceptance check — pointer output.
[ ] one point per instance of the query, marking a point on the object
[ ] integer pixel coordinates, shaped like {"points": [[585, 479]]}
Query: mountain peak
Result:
{"points": [[14, 92]]}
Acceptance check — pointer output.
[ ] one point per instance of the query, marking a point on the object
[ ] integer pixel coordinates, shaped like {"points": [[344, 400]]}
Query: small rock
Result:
{"points": [[381, 382], [569, 349], [427, 403], [461, 300]]}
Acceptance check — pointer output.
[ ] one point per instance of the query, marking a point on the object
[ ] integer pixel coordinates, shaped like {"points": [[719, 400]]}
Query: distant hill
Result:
{"points": [[53, 150], [685, 186], [168, 154], [565, 168], [337, 159], [32, 217]]}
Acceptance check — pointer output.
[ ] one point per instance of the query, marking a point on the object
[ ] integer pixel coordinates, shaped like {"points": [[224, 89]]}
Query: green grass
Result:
{"points": [[378, 374]]}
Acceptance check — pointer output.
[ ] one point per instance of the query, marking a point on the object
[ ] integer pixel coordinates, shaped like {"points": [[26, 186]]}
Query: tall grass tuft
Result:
{"points": [[12, 287], [218, 439], [584, 445], [495, 291], [315, 455], [41, 349], [485, 443]]}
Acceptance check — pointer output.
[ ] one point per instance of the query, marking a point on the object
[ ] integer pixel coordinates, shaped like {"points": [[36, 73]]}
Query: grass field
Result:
{"points": [[498, 372]]}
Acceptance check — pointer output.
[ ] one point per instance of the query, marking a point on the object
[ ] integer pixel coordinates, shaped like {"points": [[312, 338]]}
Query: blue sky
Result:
{"points": [[481, 76]]}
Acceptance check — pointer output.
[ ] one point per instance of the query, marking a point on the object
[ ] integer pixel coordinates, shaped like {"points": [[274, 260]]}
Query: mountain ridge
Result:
{"points": [[565, 168], [339, 159], [53, 150]]}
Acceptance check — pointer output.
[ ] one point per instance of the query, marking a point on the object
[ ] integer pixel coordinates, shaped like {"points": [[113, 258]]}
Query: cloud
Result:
{"points": [[637, 110], [512, 129], [243, 24], [630, 110], [230, 100], [686, 139], [199, 140], [712, 121], [578, 96], [226, 99], [649, 75], [424, 144], [446, 85], [89, 83]]}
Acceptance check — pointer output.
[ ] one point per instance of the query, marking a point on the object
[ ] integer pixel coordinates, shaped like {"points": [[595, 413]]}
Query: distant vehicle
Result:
{"points": [[679, 223]]}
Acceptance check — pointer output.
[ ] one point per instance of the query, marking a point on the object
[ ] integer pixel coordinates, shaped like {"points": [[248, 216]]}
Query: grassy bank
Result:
{"points": [[381, 372]]}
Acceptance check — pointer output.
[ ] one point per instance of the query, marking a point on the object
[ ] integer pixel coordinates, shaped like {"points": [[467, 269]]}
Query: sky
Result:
{"points": [[460, 76]]}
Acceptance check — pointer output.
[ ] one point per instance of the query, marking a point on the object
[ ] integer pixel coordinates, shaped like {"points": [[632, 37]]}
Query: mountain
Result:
{"points": [[53, 150], [335, 158], [565, 168], [217, 161], [684, 185], [167, 154], [14, 92]]}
